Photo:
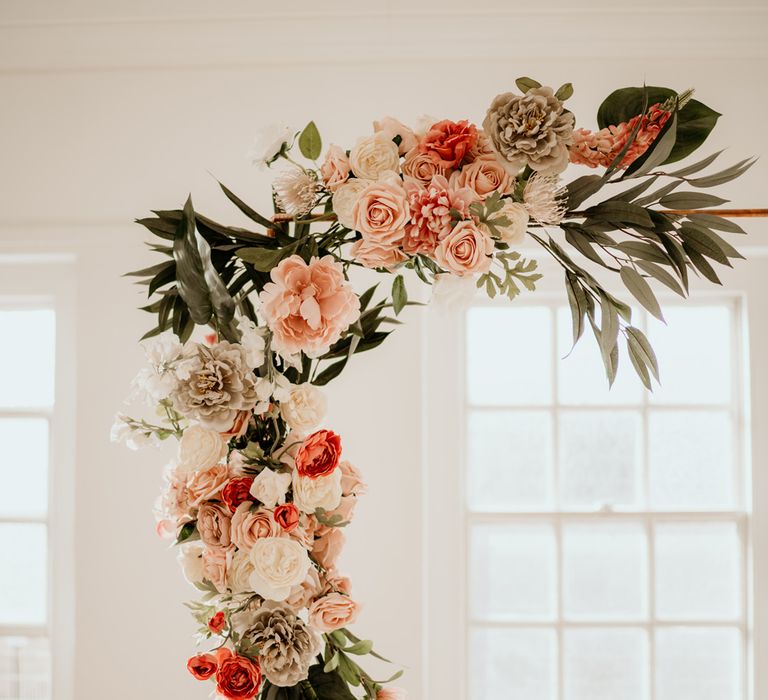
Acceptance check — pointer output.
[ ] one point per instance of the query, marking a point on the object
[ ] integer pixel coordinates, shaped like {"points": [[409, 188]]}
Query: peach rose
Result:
{"points": [[420, 167], [381, 211], [214, 525], [484, 176], [465, 250], [337, 582], [449, 143], [303, 594], [319, 454], [335, 168], [332, 612], [373, 255], [326, 549], [215, 567], [307, 306], [352, 480], [206, 484], [249, 526], [392, 128]]}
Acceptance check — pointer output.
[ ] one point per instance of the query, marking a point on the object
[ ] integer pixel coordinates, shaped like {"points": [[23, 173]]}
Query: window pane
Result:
{"points": [[695, 355], [23, 467], [513, 572], [599, 457], [605, 571], [509, 354], [513, 664], [698, 664], [581, 375], [29, 365], [509, 460], [24, 669], [606, 665], [691, 460], [698, 571], [23, 574]]}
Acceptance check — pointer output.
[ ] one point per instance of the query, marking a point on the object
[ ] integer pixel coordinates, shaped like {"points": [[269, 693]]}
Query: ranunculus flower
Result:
{"points": [[374, 155], [199, 448], [237, 491], [345, 198], [319, 454], [205, 484], [327, 549], [393, 128], [308, 306], [237, 677], [448, 143], [202, 666], [249, 526], [381, 211], [270, 487], [335, 168], [465, 250], [287, 517], [217, 623], [484, 176], [332, 612], [351, 480], [279, 564], [303, 407], [311, 493], [214, 524], [373, 255]]}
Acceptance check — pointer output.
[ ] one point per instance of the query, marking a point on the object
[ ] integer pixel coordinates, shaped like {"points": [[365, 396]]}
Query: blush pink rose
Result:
{"points": [[334, 581], [465, 250], [335, 168], [249, 526], [381, 211], [326, 549], [352, 480], [449, 143], [308, 306], [214, 524], [420, 167], [393, 128], [216, 562], [206, 484], [304, 534], [372, 255], [302, 595], [484, 176], [332, 612]]}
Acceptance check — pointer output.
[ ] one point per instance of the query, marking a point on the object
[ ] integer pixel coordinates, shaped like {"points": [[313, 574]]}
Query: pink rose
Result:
{"points": [[302, 595], [215, 525], [335, 168], [465, 250], [247, 526], [449, 143], [304, 534], [484, 176], [337, 582], [332, 612], [326, 549], [308, 306], [373, 255], [392, 128], [205, 484], [345, 509], [381, 211], [352, 480], [420, 167], [215, 565]]}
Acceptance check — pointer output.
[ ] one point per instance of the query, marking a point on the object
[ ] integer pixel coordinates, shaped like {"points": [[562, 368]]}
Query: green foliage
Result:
{"points": [[310, 143], [525, 84]]}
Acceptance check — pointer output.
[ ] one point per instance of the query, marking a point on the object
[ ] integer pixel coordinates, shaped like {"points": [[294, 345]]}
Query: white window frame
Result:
{"points": [[445, 513], [48, 281]]}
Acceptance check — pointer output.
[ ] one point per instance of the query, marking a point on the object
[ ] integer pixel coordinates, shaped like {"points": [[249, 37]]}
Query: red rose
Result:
{"points": [[319, 455], [237, 491], [287, 516], [449, 143], [237, 677], [217, 623], [202, 666]]}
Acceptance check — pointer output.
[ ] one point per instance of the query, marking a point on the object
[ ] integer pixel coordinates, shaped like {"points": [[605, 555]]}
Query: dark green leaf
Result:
{"points": [[641, 290], [582, 188], [657, 195], [705, 242], [399, 294], [310, 143], [243, 207], [525, 84], [263, 259], [564, 92], [330, 372], [701, 264], [660, 274], [691, 200], [620, 212], [189, 269]]}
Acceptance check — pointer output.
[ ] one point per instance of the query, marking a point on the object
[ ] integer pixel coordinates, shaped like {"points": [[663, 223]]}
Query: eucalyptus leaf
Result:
{"points": [[691, 200], [310, 143], [660, 274], [641, 290]]}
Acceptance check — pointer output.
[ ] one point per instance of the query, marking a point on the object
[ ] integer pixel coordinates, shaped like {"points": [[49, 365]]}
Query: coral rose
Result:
{"points": [[449, 143], [319, 454], [287, 517], [484, 176], [373, 255], [465, 250], [335, 168], [249, 526], [308, 306], [332, 612], [237, 677], [237, 491], [202, 666], [217, 623], [381, 211]]}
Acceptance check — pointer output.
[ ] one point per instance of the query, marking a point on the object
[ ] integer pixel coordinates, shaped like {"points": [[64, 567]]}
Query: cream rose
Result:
{"points": [[465, 250], [270, 487], [190, 557], [392, 128], [249, 526], [279, 564], [514, 233], [321, 492], [303, 408], [344, 200], [374, 155], [239, 574], [332, 612], [199, 448]]}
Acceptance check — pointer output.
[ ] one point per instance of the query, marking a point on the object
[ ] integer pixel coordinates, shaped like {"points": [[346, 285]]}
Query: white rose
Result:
{"points": [[269, 142], [190, 557], [279, 564], [252, 339], [270, 487], [200, 448], [345, 198], [303, 408], [451, 291], [239, 572], [514, 234], [321, 492], [373, 156]]}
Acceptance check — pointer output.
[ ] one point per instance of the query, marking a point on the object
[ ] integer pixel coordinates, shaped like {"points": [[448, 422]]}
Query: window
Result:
{"points": [[35, 611], [606, 532]]}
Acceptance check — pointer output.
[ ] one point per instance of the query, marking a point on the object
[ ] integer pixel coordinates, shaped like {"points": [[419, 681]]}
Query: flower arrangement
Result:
{"points": [[259, 493]]}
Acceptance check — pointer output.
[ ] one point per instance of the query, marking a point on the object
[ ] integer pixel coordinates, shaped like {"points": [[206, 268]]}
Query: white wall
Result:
{"points": [[110, 109]]}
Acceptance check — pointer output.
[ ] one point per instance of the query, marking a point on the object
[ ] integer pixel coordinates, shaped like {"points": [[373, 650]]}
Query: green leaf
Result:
{"points": [[332, 664], [364, 646], [187, 533], [724, 176], [638, 363], [399, 295], [328, 685], [329, 373], [696, 167], [578, 303], [609, 325], [658, 152], [641, 290], [248, 211], [718, 222], [524, 84], [701, 264], [223, 304], [310, 143], [564, 92], [636, 338], [620, 212], [263, 259], [189, 269], [582, 188], [690, 200], [660, 274]]}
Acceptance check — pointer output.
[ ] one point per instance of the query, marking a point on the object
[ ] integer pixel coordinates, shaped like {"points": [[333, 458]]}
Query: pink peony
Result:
{"points": [[381, 211], [335, 168], [465, 250], [308, 306], [373, 255]]}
